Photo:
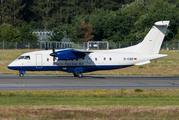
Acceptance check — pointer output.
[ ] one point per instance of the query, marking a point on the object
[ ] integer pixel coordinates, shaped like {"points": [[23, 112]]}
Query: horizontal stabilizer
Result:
{"points": [[162, 23]]}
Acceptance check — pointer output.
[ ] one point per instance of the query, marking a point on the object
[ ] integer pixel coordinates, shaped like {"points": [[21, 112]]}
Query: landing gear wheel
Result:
{"points": [[21, 75], [75, 75], [80, 75]]}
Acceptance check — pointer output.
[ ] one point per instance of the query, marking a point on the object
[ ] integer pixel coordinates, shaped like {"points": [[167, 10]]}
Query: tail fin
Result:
{"points": [[153, 40]]}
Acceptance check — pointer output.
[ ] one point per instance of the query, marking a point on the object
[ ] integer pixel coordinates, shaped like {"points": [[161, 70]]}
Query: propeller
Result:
{"points": [[46, 48], [53, 52]]}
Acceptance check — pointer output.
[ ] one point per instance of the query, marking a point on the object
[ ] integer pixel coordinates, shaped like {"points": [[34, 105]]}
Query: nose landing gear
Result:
{"points": [[21, 73]]}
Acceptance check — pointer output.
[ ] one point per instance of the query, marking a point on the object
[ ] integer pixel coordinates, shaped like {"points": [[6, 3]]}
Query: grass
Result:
{"points": [[144, 97], [89, 113], [89, 101], [164, 66], [90, 104]]}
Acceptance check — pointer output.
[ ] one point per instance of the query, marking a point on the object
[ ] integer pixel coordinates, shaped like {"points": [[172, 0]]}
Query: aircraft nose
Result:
{"points": [[9, 66]]}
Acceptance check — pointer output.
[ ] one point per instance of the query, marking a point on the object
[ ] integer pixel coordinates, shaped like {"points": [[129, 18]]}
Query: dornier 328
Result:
{"points": [[78, 61]]}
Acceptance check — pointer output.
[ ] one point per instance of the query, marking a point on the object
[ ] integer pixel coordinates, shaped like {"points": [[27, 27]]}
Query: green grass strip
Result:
{"points": [[88, 101], [122, 97]]}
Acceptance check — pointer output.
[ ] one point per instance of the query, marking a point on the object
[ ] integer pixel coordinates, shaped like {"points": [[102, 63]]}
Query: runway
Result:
{"points": [[53, 82]]}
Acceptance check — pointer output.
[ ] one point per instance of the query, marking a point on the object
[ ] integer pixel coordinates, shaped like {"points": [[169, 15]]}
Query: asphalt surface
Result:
{"points": [[52, 82]]}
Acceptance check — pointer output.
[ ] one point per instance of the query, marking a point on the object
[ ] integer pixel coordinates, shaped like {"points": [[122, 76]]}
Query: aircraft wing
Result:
{"points": [[77, 51], [70, 54], [80, 53]]}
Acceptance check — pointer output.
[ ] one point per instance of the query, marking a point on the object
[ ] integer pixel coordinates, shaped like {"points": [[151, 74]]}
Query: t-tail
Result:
{"points": [[152, 41]]}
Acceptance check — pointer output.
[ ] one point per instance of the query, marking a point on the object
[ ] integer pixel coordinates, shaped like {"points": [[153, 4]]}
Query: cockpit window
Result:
{"points": [[21, 57], [27, 57], [24, 57]]}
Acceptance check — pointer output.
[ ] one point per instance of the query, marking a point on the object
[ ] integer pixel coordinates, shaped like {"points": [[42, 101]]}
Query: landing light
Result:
{"points": [[64, 68]]}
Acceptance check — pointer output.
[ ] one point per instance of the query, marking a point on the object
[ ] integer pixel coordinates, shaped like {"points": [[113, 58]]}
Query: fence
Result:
{"points": [[85, 45]]}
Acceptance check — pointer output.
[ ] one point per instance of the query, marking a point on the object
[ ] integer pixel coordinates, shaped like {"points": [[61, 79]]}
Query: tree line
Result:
{"points": [[86, 20]]}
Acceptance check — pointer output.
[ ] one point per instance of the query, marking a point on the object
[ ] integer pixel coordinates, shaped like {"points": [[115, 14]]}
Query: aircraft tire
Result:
{"points": [[21, 75], [75, 75], [80, 75]]}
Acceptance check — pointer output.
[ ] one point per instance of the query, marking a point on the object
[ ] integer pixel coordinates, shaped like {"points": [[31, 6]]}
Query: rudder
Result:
{"points": [[153, 40]]}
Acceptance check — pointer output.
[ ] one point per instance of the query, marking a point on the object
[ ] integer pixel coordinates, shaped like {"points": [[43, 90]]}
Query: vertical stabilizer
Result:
{"points": [[153, 40]]}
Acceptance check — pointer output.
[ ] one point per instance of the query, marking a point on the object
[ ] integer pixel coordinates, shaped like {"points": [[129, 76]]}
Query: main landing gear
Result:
{"points": [[80, 75]]}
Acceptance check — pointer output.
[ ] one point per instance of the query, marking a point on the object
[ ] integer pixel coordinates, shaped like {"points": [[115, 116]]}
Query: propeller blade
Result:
{"points": [[53, 49], [53, 52], [46, 48]]}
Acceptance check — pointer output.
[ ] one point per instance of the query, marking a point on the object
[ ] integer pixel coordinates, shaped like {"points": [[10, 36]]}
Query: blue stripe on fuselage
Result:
{"points": [[68, 68]]}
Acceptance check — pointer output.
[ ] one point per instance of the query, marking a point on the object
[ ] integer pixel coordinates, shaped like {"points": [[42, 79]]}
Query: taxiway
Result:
{"points": [[52, 82]]}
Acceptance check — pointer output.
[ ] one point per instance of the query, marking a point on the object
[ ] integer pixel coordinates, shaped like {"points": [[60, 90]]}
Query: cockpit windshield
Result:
{"points": [[27, 57], [24, 57], [21, 57]]}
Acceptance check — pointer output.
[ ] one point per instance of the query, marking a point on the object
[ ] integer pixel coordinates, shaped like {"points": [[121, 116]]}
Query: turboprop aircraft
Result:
{"points": [[78, 61]]}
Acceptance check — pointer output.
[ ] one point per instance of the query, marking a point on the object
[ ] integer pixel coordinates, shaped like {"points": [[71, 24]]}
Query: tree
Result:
{"points": [[10, 34], [98, 19], [119, 27], [11, 11], [29, 13], [1, 11], [2, 28], [57, 35], [87, 31], [26, 34], [44, 7]]}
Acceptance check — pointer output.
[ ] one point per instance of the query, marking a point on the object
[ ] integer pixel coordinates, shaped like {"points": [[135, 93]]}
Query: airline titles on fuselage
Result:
{"points": [[59, 63]]}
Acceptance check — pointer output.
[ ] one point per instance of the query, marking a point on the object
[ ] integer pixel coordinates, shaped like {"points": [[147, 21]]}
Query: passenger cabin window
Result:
{"points": [[110, 59], [95, 59], [47, 59], [104, 59]]}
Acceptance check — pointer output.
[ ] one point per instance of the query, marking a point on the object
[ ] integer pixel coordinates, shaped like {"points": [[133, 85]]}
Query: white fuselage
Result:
{"points": [[97, 60], [80, 61]]}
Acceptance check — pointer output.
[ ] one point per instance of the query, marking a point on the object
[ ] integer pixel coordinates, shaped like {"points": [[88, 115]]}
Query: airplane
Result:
{"points": [[78, 61]]}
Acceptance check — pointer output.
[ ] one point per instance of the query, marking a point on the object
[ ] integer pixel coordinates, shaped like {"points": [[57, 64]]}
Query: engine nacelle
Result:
{"points": [[69, 55], [65, 55]]}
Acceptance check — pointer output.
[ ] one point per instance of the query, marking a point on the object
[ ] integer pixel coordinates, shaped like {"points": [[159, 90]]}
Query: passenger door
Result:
{"points": [[39, 61]]}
